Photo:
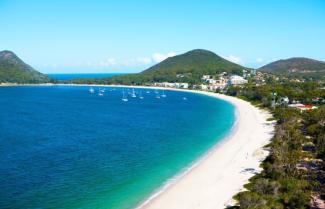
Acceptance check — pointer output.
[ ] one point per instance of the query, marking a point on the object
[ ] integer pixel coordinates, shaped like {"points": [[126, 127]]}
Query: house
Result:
{"points": [[172, 85], [206, 77], [181, 85], [211, 81], [203, 87], [302, 107], [284, 100], [237, 80]]}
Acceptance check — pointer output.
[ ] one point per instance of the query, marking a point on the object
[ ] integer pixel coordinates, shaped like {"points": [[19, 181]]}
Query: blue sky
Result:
{"points": [[59, 36]]}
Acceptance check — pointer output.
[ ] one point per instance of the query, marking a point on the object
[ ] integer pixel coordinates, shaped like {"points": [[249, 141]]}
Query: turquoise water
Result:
{"points": [[68, 76], [62, 147]]}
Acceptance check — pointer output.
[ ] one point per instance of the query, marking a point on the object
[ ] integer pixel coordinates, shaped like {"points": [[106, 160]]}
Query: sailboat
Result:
{"points": [[133, 94], [140, 95], [91, 90], [157, 95], [163, 94], [124, 98]]}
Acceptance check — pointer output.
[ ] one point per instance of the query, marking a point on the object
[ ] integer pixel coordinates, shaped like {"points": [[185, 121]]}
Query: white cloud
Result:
{"points": [[158, 57], [234, 59], [108, 62], [139, 61], [136, 61], [259, 60]]}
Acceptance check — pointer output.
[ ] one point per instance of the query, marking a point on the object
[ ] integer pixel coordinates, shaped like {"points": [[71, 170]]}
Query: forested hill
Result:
{"points": [[197, 61], [14, 70], [296, 66], [187, 67]]}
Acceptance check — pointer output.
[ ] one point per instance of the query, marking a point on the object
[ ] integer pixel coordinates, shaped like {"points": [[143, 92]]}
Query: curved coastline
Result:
{"points": [[214, 178]]}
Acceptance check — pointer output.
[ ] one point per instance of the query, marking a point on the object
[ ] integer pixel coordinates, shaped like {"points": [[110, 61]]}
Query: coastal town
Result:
{"points": [[221, 82]]}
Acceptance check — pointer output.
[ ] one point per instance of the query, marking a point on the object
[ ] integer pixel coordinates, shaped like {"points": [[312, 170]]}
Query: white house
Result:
{"points": [[205, 77], [237, 80], [203, 87]]}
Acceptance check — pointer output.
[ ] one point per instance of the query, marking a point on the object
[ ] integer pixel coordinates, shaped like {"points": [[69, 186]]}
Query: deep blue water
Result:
{"points": [[83, 75], [62, 147]]}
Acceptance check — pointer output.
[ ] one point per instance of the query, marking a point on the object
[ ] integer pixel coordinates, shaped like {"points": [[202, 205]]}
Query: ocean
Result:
{"points": [[63, 147], [67, 76]]}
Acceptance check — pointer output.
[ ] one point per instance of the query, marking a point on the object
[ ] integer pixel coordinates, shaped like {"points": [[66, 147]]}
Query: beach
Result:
{"points": [[218, 176]]}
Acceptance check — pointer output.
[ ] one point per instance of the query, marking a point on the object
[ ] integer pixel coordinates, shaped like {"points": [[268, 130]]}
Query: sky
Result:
{"points": [[115, 36]]}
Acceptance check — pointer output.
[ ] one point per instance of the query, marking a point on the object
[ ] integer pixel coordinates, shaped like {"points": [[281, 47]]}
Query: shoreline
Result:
{"points": [[214, 178]]}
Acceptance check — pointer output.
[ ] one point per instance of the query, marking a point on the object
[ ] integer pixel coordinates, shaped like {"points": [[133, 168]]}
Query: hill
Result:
{"points": [[296, 66], [188, 67], [14, 70], [197, 61]]}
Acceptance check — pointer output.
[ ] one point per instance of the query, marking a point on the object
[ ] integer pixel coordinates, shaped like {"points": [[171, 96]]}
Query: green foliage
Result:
{"points": [[297, 67], [14, 70], [281, 184]]}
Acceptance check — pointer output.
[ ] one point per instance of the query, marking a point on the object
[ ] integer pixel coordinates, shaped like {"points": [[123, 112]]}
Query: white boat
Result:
{"points": [[91, 90], [184, 98], [133, 93], [163, 94], [100, 93], [157, 94], [148, 92], [124, 98], [140, 95]]}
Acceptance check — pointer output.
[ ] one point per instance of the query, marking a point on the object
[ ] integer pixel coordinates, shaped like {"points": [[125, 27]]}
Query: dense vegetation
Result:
{"points": [[188, 67], [14, 70], [293, 174], [300, 67]]}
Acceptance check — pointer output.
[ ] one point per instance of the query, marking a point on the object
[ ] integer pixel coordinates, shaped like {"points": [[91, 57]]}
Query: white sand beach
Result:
{"points": [[222, 173]]}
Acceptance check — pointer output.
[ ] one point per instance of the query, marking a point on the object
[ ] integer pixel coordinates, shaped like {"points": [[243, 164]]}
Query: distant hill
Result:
{"points": [[296, 66], [14, 70], [187, 67], [197, 61]]}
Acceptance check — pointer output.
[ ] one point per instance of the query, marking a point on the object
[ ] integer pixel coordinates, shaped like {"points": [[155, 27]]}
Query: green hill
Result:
{"points": [[187, 67], [14, 70], [296, 67], [197, 61]]}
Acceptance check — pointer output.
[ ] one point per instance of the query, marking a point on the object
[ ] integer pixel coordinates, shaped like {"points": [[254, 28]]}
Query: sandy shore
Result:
{"points": [[222, 173], [215, 178]]}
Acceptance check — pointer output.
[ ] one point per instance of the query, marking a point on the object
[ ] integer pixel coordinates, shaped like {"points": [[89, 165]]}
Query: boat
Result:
{"points": [[140, 95], [184, 98], [157, 94], [148, 92], [163, 94], [91, 90], [133, 93], [100, 93], [124, 98]]}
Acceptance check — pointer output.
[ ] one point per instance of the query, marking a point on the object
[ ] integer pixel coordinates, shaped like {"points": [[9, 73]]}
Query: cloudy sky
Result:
{"points": [[97, 36]]}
